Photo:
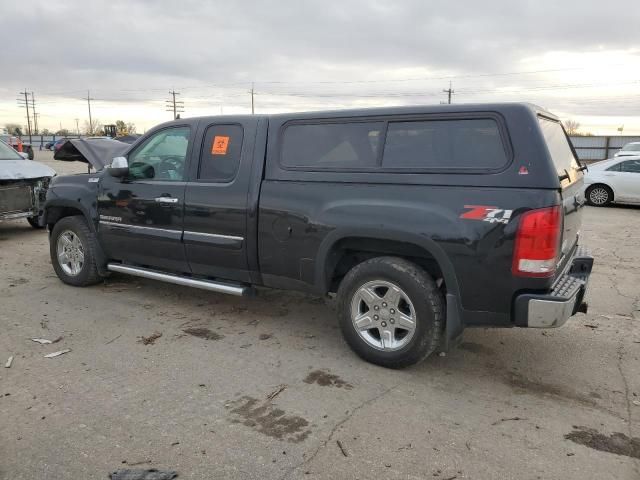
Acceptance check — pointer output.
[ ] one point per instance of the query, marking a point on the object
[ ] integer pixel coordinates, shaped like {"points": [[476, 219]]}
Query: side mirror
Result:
{"points": [[119, 167]]}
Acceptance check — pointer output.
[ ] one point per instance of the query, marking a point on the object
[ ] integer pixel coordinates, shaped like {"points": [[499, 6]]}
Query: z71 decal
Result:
{"points": [[487, 213]]}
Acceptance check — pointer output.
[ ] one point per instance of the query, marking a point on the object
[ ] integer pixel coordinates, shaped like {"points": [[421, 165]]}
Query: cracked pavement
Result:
{"points": [[499, 406]]}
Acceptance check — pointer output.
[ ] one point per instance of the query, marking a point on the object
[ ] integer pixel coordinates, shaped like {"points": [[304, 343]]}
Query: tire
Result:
{"points": [[35, 222], [599, 195], [380, 279], [78, 235]]}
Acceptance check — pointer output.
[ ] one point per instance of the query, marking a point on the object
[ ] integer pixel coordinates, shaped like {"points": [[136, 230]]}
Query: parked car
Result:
{"points": [[23, 186], [629, 150], [613, 181], [49, 145], [18, 145], [58, 143], [422, 220]]}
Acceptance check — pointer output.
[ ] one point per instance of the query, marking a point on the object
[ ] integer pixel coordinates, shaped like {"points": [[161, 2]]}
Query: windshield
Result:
{"points": [[631, 147], [8, 153]]}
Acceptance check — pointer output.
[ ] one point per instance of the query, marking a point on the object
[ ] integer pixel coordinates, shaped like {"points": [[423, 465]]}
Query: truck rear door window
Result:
{"points": [[331, 145], [559, 148], [220, 155], [444, 144]]}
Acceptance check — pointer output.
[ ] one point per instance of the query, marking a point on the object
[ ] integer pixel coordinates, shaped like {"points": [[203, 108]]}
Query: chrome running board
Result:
{"points": [[213, 286]]}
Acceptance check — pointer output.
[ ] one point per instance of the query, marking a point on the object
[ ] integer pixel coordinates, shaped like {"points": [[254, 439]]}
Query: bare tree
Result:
{"points": [[95, 128], [572, 127], [13, 129]]}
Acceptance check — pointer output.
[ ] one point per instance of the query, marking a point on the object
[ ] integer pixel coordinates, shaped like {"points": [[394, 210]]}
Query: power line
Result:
{"points": [[177, 106]]}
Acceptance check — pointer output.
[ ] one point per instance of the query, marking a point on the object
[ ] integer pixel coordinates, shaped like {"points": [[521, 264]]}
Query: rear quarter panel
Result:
{"points": [[300, 221]]}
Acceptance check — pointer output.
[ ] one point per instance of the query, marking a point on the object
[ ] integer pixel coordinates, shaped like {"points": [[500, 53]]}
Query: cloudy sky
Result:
{"points": [[579, 59]]}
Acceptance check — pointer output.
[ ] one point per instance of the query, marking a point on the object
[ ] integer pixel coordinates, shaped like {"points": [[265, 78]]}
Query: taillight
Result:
{"points": [[537, 243]]}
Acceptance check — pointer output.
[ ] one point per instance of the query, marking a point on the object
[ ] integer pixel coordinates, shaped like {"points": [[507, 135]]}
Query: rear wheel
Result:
{"points": [[391, 312], [599, 195], [72, 247]]}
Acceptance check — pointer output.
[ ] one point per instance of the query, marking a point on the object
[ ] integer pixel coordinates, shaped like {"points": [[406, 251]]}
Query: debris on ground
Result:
{"points": [[636, 403], [342, 449], [265, 336], [442, 354], [588, 325], [58, 353], [512, 419], [57, 339], [202, 332], [113, 339], [276, 392], [147, 474], [41, 341], [9, 362], [151, 339]]}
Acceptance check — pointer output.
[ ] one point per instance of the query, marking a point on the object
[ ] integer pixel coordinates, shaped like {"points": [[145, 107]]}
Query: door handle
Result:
{"points": [[166, 200]]}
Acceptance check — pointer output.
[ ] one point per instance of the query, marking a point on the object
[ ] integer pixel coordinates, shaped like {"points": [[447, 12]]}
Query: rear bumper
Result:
{"points": [[565, 299]]}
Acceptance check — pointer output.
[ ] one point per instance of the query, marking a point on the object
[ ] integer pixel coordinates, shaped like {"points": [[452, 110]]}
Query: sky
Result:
{"points": [[578, 59]]}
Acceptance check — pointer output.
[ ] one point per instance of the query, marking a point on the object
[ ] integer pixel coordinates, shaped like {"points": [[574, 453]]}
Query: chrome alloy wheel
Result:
{"points": [[599, 196], [383, 315], [70, 253]]}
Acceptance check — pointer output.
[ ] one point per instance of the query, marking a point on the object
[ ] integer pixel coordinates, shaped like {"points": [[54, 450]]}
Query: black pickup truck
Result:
{"points": [[422, 220]]}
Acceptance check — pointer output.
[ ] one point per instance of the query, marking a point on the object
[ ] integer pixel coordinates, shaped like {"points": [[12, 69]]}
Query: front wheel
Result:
{"points": [[72, 247], [391, 312]]}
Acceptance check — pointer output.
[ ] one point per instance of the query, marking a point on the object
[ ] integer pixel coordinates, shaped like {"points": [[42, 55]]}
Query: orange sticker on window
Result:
{"points": [[220, 145]]}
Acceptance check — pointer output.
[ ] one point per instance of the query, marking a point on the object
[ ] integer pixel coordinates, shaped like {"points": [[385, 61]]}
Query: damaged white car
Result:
{"points": [[23, 186]]}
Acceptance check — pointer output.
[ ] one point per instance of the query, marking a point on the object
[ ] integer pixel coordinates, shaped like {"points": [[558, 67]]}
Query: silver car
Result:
{"points": [[23, 186], [629, 150]]}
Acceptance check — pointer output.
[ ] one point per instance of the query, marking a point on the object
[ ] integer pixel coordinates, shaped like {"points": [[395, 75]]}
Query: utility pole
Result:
{"points": [[89, 105], [177, 106], [26, 104], [35, 115], [252, 103], [449, 92], [77, 126]]}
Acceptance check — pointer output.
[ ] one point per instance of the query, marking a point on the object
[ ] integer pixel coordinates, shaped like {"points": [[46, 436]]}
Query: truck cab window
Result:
{"points": [[161, 157], [220, 156]]}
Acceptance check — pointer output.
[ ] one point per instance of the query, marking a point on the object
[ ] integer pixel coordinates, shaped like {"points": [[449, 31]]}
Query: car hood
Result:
{"points": [[23, 169], [97, 152]]}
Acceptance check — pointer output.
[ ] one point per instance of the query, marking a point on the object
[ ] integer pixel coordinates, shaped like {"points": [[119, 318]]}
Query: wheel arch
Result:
{"points": [[372, 243], [56, 210]]}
